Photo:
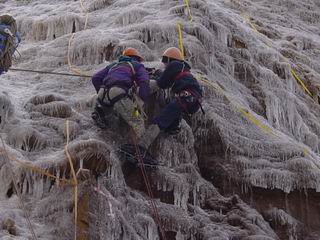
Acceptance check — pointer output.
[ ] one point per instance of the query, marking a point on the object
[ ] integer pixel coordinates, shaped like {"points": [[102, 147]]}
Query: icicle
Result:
{"points": [[50, 28], [6, 109]]}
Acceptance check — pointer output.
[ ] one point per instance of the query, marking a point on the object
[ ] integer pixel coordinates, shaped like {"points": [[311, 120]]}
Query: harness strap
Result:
{"points": [[182, 74], [107, 89], [111, 101], [115, 99], [197, 96], [133, 71]]}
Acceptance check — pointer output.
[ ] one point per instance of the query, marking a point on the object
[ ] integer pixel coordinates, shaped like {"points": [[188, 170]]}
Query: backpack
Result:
{"points": [[9, 40], [195, 96], [103, 94]]}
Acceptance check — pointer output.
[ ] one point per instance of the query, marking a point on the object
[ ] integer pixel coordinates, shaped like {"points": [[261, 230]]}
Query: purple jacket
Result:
{"points": [[121, 76]]}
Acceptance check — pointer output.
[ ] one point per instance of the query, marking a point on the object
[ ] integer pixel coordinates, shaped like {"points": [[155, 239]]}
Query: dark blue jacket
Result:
{"points": [[167, 78]]}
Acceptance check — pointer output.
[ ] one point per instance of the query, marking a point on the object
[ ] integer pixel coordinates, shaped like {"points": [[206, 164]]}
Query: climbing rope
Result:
{"points": [[189, 10], [71, 67], [52, 73], [75, 181], [33, 168], [148, 186], [293, 72], [179, 27], [84, 10], [15, 184]]}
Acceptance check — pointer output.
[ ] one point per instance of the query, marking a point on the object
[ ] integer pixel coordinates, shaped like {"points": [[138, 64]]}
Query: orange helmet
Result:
{"points": [[132, 52], [173, 53]]}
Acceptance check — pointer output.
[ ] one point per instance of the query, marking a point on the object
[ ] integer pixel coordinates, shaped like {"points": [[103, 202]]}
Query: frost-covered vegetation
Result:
{"points": [[261, 128]]}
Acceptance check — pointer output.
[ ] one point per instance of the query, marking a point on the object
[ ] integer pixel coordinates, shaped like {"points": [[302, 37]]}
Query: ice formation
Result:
{"points": [[6, 109], [259, 136]]}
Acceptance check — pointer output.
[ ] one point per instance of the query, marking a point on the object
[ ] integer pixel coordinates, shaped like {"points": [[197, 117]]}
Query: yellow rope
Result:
{"points": [[247, 19], [189, 10], [244, 111], [180, 38], [84, 10], [256, 122], [73, 69], [295, 75], [35, 168], [293, 72], [75, 182], [18, 192]]}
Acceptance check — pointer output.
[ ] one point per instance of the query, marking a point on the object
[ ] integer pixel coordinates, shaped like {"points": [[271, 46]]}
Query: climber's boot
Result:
{"points": [[149, 136], [99, 117], [173, 130], [135, 154]]}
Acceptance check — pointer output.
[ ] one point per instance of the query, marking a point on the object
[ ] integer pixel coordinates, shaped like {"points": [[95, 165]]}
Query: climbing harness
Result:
{"points": [[104, 98], [103, 95]]}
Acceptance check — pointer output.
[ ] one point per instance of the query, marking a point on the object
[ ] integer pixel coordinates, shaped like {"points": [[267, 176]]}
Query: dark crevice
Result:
{"points": [[302, 205], [135, 180], [10, 191], [74, 27]]}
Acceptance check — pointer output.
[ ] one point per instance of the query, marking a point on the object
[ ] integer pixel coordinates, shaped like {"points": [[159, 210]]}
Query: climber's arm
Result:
{"points": [[142, 80], [167, 77]]}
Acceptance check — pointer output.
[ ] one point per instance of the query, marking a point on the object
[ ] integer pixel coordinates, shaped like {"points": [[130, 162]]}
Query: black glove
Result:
{"points": [[150, 70], [157, 73], [154, 73]]}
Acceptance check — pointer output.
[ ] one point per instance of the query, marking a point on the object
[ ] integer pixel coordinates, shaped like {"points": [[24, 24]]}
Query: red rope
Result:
{"points": [[148, 186]]}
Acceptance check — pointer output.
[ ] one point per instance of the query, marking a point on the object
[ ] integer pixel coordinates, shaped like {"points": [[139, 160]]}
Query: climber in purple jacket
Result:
{"points": [[116, 85]]}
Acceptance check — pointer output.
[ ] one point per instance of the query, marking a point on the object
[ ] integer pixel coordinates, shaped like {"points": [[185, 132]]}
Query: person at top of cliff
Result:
{"points": [[186, 96], [116, 84], [9, 40]]}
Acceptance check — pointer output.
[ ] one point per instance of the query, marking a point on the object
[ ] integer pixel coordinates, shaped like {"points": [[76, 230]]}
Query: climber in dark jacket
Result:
{"points": [[187, 95], [114, 84]]}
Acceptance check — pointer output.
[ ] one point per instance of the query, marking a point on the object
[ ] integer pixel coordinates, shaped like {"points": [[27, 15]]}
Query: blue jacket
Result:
{"points": [[120, 75], [173, 69]]}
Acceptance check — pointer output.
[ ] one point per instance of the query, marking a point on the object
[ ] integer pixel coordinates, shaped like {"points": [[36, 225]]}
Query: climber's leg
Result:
{"points": [[168, 120], [125, 108], [149, 136], [153, 87], [103, 108], [169, 116]]}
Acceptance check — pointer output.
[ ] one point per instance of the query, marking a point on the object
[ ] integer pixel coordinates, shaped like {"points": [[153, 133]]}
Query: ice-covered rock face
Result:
{"points": [[6, 109], [260, 131]]}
